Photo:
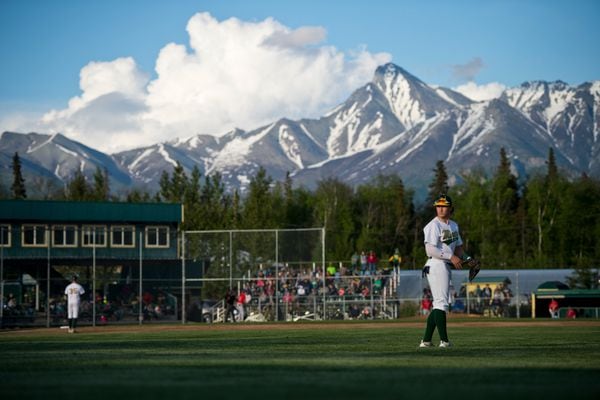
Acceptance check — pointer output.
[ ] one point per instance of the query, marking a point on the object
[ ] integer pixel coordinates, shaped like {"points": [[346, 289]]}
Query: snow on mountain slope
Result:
{"points": [[595, 90], [410, 99], [57, 158], [235, 151], [395, 124], [290, 146], [541, 101]]}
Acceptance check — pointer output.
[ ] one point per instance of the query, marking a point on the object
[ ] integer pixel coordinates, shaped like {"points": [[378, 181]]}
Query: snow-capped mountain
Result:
{"points": [[569, 115], [394, 124], [53, 159]]}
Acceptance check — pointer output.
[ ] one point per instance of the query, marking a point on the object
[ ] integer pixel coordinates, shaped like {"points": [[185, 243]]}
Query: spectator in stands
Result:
{"points": [[230, 298], [354, 262], [506, 298], [395, 260], [451, 296], [366, 313], [331, 289], [553, 308], [426, 305], [478, 295], [487, 291], [372, 262], [497, 302], [363, 263], [486, 295], [12, 302], [241, 305], [331, 270]]}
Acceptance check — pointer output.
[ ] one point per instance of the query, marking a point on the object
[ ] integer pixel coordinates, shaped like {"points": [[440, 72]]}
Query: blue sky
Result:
{"points": [[46, 46]]}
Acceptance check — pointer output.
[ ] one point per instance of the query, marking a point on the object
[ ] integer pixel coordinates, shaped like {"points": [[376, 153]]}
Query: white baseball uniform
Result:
{"points": [[73, 292], [440, 241]]}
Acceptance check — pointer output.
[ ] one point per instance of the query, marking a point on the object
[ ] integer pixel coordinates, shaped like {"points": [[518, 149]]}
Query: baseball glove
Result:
{"points": [[473, 265]]}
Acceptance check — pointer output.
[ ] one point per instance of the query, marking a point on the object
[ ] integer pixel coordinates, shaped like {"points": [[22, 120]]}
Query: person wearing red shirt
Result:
{"points": [[553, 308]]}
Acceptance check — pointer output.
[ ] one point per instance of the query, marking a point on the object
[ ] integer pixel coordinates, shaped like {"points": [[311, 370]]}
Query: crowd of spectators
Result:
{"points": [[298, 288], [126, 304]]}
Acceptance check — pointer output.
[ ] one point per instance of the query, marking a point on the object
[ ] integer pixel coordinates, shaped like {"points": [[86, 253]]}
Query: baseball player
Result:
{"points": [[73, 292], [443, 246]]}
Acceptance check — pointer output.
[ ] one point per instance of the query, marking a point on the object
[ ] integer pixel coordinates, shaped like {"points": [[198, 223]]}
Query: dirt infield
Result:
{"points": [[149, 328]]}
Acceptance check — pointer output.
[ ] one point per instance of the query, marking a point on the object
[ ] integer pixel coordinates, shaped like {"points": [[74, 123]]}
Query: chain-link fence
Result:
{"points": [[281, 275], [500, 293], [136, 275]]}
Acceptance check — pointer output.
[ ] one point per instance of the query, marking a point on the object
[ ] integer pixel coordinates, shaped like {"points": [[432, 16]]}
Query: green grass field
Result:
{"points": [[326, 361]]}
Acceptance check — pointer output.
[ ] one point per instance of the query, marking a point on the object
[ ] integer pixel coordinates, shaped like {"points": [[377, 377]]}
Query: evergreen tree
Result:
{"points": [[258, 212], [505, 200], [77, 188], [543, 198], [101, 189], [18, 185], [384, 216], [552, 174], [334, 209], [137, 196], [192, 201], [234, 214], [215, 204], [578, 224], [179, 184], [472, 205], [173, 187], [439, 184], [164, 184]]}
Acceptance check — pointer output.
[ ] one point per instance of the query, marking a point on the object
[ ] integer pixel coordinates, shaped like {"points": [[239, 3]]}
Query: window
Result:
{"points": [[33, 236], [89, 232], [64, 236], [157, 236], [122, 236], [4, 235]]}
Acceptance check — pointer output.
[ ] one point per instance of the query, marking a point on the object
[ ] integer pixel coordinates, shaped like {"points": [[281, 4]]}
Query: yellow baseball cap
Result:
{"points": [[443, 201]]}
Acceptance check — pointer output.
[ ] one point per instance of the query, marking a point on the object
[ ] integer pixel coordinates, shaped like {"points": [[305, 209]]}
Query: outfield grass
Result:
{"points": [[331, 361]]}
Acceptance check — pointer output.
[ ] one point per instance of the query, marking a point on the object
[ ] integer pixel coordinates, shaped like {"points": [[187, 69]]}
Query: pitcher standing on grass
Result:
{"points": [[443, 246]]}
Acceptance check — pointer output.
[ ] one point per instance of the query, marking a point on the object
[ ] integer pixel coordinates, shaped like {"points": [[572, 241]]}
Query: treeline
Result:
{"points": [[548, 221]]}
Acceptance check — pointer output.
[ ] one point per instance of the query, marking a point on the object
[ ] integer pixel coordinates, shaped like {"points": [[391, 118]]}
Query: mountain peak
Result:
{"points": [[410, 99], [390, 72], [556, 85]]}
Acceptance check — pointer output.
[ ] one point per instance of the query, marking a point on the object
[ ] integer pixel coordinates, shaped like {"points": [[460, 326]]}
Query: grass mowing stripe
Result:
{"points": [[378, 362]]}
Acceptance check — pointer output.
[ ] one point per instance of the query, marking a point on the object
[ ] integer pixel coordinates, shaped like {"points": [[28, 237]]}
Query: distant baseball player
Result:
{"points": [[443, 246], [73, 292]]}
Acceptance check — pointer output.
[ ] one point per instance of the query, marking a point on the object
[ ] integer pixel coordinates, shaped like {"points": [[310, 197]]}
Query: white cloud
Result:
{"points": [[233, 74], [477, 92], [107, 115]]}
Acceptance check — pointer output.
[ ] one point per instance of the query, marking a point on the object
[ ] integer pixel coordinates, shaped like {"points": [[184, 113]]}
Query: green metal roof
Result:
{"points": [[553, 285], [490, 279], [84, 211], [571, 293]]}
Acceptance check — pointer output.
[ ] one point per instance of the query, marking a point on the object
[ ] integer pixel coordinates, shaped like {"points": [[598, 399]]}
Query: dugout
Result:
{"points": [[483, 281], [478, 303], [585, 301]]}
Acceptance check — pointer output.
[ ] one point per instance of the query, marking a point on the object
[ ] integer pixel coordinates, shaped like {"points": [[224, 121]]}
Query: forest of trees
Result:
{"points": [[547, 221]]}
